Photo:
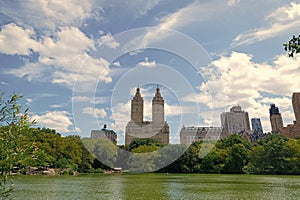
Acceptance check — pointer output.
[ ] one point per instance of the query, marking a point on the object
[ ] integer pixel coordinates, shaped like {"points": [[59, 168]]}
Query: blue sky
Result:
{"points": [[77, 63]]}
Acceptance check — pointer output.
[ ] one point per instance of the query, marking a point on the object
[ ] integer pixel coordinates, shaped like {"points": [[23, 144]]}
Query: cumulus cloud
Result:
{"points": [[147, 63], [278, 22], [254, 85], [17, 40], [67, 53], [57, 120], [117, 64], [107, 41], [47, 15], [233, 2], [99, 112]]}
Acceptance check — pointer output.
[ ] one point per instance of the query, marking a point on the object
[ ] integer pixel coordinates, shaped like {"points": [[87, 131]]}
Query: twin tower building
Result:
{"points": [[157, 129]]}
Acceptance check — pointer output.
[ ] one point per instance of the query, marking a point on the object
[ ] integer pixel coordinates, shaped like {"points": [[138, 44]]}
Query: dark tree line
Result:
{"points": [[274, 155]]}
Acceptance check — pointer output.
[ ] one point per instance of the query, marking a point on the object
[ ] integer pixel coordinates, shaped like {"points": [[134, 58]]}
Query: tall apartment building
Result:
{"points": [[296, 105], [104, 133], [188, 135], [157, 129], [256, 126], [275, 119], [293, 130], [235, 121]]}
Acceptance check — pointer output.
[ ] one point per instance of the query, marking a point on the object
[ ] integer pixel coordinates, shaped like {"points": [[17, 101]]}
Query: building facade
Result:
{"points": [[188, 135], [235, 121], [157, 129], [104, 133], [256, 126], [293, 130], [275, 119]]}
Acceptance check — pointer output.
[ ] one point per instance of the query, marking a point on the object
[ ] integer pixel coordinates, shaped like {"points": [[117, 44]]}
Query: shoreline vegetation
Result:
{"points": [[72, 155], [28, 150]]}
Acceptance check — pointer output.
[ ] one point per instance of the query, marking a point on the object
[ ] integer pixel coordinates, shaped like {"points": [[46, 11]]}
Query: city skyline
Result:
{"points": [[76, 62]]}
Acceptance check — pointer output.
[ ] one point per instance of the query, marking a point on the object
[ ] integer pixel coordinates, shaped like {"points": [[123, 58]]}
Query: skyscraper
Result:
{"points": [[256, 126], [235, 121], [157, 129], [296, 106], [275, 119], [293, 130]]}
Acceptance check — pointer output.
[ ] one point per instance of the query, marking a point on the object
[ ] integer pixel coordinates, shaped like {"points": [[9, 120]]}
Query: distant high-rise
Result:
{"points": [[104, 133], [188, 135], [275, 119], [293, 130], [296, 105], [235, 121], [256, 126], [157, 129]]}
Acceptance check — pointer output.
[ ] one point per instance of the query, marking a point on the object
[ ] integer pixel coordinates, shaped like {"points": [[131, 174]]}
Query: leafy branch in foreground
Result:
{"points": [[293, 46], [15, 143]]}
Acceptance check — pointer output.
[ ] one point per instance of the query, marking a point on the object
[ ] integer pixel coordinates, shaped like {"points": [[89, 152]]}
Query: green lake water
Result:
{"points": [[157, 186]]}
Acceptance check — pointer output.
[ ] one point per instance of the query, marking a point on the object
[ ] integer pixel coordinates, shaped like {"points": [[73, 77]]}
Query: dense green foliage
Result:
{"points": [[293, 46], [22, 146], [275, 155], [15, 140]]}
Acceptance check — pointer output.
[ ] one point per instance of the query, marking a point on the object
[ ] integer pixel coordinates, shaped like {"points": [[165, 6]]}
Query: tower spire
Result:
{"points": [[137, 107], [158, 116]]}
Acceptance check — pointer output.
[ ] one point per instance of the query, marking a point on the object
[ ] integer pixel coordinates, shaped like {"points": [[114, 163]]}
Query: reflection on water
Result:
{"points": [[158, 186]]}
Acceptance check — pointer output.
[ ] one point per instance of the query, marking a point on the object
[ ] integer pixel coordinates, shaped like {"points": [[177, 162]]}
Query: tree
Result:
{"points": [[144, 141], [293, 46], [103, 150], [15, 140], [237, 159], [271, 156], [213, 162]]}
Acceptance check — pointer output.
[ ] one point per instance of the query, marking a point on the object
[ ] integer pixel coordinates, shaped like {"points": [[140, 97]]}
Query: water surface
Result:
{"points": [[158, 186]]}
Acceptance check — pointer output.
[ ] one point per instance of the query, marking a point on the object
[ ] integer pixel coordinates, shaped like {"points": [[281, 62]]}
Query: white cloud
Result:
{"points": [[117, 64], [99, 112], [107, 41], [120, 116], [252, 84], [29, 100], [30, 71], [57, 106], [3, 83], [16, 40], [233, 2], [47, 15], [279, 22], [92, 100], [147, 63], [286, 13], [174, 110], [81, 99], [57, 120], [142, 6], [67, 53]]}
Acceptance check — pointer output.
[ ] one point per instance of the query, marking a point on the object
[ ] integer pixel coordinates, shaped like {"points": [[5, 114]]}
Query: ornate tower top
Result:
{"points": [[138, 95], [157, 97], [137, 107], [158, 113]]}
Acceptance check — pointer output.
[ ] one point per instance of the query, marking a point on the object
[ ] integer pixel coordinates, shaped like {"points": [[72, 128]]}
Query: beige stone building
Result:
{"points": [[293, 130], [275, 119], [104, 133], [157, 129], [191, 134], [235, 121]]}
